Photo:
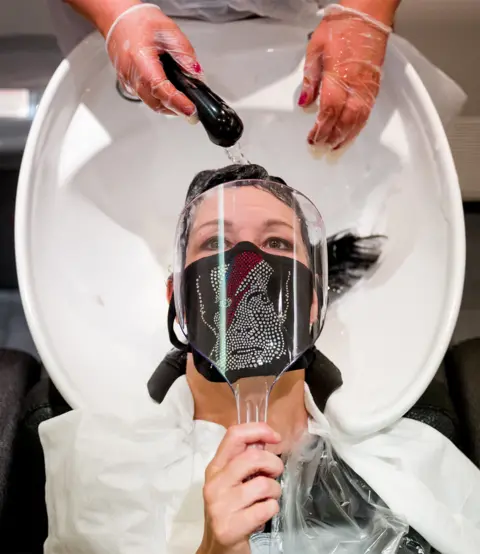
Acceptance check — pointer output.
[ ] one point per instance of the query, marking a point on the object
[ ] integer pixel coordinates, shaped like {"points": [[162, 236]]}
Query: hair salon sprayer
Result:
{"points": [[222, 124]]}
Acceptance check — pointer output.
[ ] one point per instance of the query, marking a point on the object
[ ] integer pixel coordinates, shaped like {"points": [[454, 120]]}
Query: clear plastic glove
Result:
{"points": [[343, 68], [134, 43]]}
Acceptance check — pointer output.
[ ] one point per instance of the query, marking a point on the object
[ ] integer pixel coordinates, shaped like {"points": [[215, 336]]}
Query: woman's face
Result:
{"points": [[254, 336], [246, 214]]}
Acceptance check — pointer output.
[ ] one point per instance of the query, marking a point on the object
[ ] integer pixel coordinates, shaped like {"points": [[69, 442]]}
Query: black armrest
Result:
{"points": [[24, 525], [462, 365], [18, 373], [435, 408]]}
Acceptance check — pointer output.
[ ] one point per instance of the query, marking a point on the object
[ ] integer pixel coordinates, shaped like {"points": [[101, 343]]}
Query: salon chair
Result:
{"points": [[19, 373], [451, 404]]}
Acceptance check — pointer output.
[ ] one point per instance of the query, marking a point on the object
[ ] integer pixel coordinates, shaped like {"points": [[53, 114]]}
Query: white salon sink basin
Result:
{"points": [[103, 181]]}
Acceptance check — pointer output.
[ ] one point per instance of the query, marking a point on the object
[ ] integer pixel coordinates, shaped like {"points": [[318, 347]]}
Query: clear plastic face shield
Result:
{"points": [[250, 285]]}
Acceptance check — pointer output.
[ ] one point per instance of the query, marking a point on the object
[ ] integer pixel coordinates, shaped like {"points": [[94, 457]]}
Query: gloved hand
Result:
{"points": [[135, 41], [343, 66]]}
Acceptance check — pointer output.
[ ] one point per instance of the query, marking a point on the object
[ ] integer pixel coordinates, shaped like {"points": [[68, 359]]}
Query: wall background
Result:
{"points": [[24, 17]]}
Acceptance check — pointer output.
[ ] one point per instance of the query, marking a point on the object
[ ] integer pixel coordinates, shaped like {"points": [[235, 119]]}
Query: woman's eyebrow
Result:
{"points": [[227, 224], [277, 223], [217, 223]]}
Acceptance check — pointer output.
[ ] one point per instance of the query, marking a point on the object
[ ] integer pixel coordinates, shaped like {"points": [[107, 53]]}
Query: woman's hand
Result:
{"points": [[343, 67], [236, 507], [135, 41]]}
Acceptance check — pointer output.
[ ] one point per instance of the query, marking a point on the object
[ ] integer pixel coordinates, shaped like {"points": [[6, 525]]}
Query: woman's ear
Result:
{"points": [[169, 288]]}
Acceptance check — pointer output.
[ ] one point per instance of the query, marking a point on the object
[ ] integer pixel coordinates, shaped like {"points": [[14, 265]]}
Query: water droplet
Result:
{"points": [[235, 154]]}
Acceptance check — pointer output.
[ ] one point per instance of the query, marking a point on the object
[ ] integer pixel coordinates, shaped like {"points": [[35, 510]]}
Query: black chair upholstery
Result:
{"points": [[24, 525], [462, 365], [18, 374]]}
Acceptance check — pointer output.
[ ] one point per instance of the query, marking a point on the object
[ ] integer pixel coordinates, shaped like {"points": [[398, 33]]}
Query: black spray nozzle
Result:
{"points": [[223, 125]]}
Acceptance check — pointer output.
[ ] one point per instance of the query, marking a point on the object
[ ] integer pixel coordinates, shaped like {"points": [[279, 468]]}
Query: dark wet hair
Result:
{"points": [[210, 178]]}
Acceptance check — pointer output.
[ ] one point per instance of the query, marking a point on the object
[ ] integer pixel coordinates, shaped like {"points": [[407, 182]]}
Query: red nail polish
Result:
{"points": [[310, 142], [197, 67], [302, 99]]}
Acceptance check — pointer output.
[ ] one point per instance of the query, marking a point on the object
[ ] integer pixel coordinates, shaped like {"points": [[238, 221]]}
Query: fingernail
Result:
{"points": [[311, 142], [339, 143], [190, 110], [192, 118], [303, 99], [189, 64]]}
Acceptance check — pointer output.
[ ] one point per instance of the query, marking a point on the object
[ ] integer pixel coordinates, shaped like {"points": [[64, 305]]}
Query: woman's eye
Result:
{"points": [[276, 243], [215, 243]]}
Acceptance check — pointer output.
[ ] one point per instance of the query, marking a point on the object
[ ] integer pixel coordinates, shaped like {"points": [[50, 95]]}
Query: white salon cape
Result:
{"points": [[121, 484]]}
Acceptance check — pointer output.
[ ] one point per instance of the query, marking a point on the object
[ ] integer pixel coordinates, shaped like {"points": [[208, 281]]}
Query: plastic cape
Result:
{"points": [[132, 483]]}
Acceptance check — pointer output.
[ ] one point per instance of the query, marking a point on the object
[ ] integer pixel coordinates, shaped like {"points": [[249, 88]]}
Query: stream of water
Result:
{"points": [[235, 154]]}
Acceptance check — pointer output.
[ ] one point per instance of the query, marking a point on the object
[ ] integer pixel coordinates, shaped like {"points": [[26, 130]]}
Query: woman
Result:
{"points": [[134, 482], [345, 54], [349, 259]]}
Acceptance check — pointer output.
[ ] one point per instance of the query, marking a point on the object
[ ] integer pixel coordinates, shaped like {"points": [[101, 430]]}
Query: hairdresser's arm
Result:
{"points": [[137, 33], [343, 68], [382, 10]]}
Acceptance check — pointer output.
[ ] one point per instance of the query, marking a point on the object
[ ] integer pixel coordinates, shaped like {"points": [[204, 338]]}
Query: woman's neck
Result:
{"points": [[287, 414]]}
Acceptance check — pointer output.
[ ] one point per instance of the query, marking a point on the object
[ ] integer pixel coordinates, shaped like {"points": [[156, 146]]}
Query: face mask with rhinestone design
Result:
{"points": [[248, 312]]}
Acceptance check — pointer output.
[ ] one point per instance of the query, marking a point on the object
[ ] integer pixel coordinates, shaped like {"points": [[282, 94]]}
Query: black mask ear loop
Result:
{"points": [[172, 314]]}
